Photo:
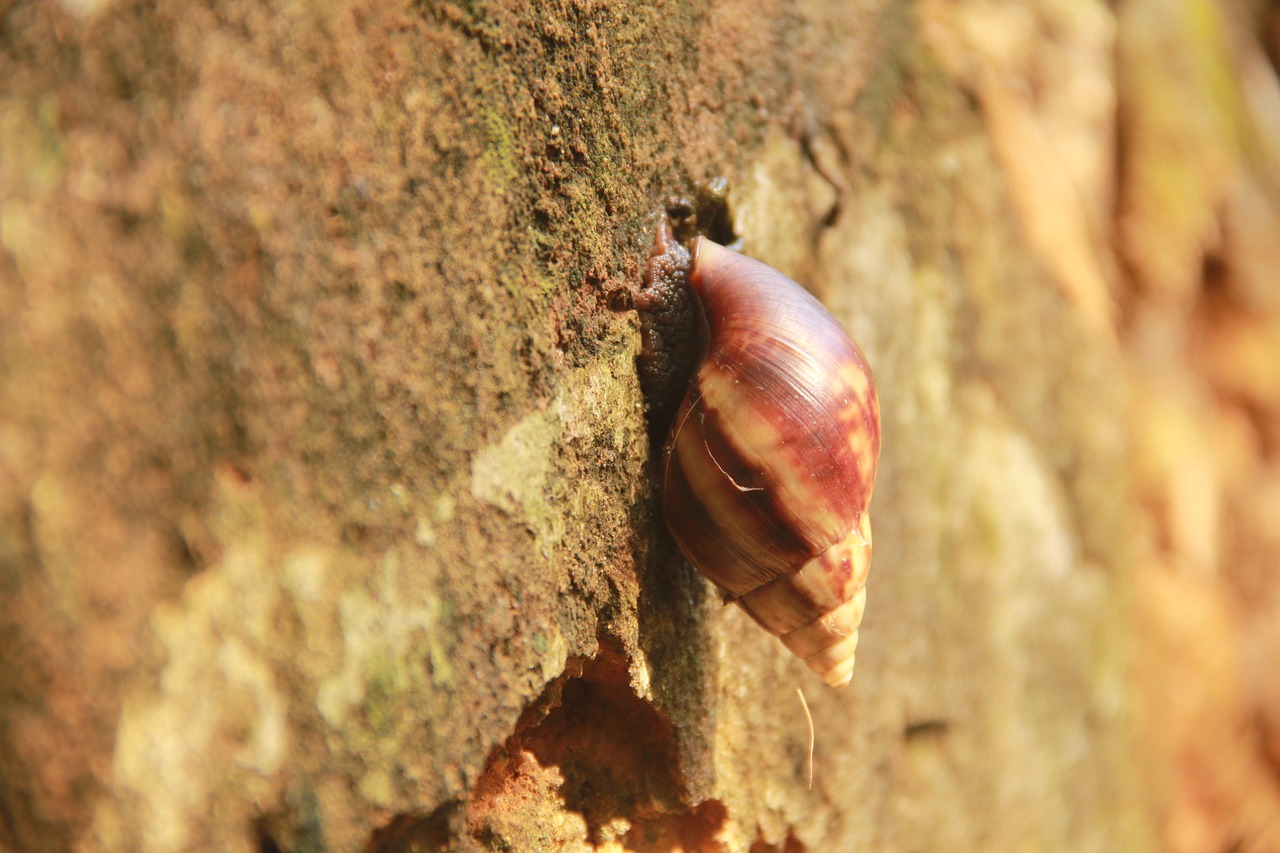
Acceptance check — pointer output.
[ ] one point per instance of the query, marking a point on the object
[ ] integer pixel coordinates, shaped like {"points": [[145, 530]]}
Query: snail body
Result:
{"points": [[770, 459]]}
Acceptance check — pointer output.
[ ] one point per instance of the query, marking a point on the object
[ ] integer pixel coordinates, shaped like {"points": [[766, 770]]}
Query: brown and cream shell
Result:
{"points": [[770, 461]]}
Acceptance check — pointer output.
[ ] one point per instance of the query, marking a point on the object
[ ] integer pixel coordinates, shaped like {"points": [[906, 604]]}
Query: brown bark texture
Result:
{"points": [[327, 512]]}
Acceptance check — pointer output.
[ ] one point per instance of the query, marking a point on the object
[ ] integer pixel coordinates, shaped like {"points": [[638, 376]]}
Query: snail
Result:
{"points": [[770, 458]]}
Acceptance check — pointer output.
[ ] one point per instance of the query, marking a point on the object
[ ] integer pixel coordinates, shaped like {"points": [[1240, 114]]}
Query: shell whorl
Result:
{"points": [[771, 459]]}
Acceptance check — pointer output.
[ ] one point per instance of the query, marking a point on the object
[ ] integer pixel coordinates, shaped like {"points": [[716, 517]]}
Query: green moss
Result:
{"points": [[438, 656], [383, 693], [32, 142], [498, 161]]}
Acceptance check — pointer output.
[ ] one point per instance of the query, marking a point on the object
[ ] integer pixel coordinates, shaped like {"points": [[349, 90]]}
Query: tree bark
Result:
{"points": [[327, 514]]}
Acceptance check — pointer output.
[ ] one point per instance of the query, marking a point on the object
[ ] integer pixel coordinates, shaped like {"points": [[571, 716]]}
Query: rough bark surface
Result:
{"points": [[326, 514]]}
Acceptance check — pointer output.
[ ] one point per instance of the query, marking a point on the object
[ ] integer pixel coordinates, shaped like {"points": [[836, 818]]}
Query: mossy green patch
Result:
{"points": [[32, 146], [387, 679], [498, 161]]}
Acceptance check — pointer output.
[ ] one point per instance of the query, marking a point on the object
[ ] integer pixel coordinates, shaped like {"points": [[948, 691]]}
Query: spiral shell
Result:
{"points": [[771, 458]]}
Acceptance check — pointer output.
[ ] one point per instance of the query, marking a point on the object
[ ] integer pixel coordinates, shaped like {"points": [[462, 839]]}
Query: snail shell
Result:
{"points": [[770, 461]]}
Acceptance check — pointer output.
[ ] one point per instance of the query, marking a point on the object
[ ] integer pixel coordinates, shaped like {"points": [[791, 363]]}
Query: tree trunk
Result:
{"points": [[327, 512]]}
